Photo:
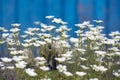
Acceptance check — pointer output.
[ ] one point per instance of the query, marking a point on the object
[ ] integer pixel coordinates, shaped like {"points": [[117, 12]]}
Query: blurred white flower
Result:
{"points": [[62, 59], [10, 67], [74, 40], [61, 68], [21, 64], [98, 21], [30, 72], [14, 30], [6, 59], [15, 25], [94, 79], [68, 73], [4, 35], [44, 68], [84, 67], [56, 20], [80, 73], [49, 17]]}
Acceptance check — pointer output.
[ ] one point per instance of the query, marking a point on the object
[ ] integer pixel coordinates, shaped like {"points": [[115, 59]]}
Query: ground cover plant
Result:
{"points": [[48, 52]]}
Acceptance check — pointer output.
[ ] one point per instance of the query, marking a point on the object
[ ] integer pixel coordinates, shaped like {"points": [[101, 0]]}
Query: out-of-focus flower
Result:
{"points": [[56, 20], [94, 79], [49, 17], [15, 25], [44, 68], [98, 21], [4, 35], [5, 59], [21, 64], [68, 73], [80, 73], [31, 72], [10, 67], [14, 30], [60, 59], [61, 68]]}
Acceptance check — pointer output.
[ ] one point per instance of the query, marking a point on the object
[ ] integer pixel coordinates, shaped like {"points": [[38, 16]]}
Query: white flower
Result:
{"points": [[81, 26], [84, 67], [117, 53], [44, 68], [61, 68], [10, 67], [83, 59], [98, 21], [102, 53], [60, 59], [94, 79], [80, 73], [116, 74], [68, 73], [15, 25], [56, 20], [40, 58], [74, 40], [21, 64], [5, 59], [4, 35], [49, 17], [30, 72], [18, 58], [14, 30], [46, 79], [99, 68]]}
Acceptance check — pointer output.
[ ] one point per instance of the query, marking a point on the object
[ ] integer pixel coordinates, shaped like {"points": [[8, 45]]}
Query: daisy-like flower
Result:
{"points": [[68, 73], [56, 20], [81, 73], [21, 64], [5, 59], [44, 68], [31, 72], [61, 68]]}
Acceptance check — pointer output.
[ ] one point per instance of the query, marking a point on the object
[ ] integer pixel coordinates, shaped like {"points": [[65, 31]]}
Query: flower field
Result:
{"points": [[48, 52]]}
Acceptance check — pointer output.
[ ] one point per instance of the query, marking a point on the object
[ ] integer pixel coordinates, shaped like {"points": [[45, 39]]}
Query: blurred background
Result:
{"points": [[71, 11]]}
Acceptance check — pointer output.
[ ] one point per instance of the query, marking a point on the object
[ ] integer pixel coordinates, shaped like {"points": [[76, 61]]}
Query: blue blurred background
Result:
{"points": [[72, 11]]}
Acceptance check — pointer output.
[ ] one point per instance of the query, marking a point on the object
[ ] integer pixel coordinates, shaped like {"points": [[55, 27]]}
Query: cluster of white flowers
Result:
{"points": [[50, 48]]}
